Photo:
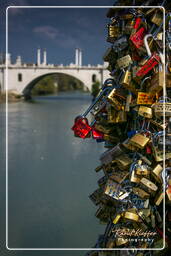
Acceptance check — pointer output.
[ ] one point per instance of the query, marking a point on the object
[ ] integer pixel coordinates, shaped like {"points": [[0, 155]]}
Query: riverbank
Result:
{"points": [[12, 97]]}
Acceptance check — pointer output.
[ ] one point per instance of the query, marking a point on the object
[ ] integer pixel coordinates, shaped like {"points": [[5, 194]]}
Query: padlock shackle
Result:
{"points": [[146, 44], [95, 101]]}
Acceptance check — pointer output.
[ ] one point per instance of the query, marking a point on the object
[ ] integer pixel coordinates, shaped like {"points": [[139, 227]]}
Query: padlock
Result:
{"points": [[120, 44], [116, 99], [166, 143], [148, 185], [109, 155], [126, 78], [97, 135], [131, 215], [141, 170], [124, 61], [138, 38], [157, 17], [98, 107], [140, 192], [117, 218], [111, 138], [123, 161], [156, 173], [139, 140], [159, 197], [111, 189], [128, 145], [145, 112], [145, 98], [128, 101], [81, 128], [157, 81], [113, 32], [161, 108], [148, 66], [109, 55]]}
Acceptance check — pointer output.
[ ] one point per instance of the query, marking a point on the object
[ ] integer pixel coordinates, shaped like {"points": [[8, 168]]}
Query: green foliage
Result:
{"points": [[64, 83], [44, 86], [95, 88]]}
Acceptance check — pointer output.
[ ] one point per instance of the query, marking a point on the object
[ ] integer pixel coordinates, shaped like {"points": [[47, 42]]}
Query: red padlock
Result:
{"points": [[138, 38], [149, 65], [81, 127], [97, 135], [137, 23]]}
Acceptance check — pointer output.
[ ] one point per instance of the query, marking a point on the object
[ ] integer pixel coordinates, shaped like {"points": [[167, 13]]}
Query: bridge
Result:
{"points": [[22, 77]]}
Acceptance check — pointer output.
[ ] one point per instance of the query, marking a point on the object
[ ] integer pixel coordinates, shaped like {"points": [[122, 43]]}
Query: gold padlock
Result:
{"points": [[145, 98], [140, 192], [145, 112], [134, 178], [159, 198], [102, 128], [115, 100], [124, 61], [149, 185], [145, 212], [131, 216], [117, 218], [118, 176], [156, 173], [142, 171], [126, 78], [128, 145], [123, 161], [111, 138], [139, 140], [157, 18]]}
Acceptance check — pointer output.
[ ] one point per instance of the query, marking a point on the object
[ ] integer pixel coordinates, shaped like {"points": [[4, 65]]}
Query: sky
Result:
{"points": [[58, 30]]}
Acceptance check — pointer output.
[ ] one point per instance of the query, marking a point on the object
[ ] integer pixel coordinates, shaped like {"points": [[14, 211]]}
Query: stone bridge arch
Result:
{"points": [[27, 89], [20, 77]]}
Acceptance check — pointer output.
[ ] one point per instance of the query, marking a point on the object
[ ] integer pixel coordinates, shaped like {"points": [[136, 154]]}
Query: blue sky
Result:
{"points": [[57, 30]]}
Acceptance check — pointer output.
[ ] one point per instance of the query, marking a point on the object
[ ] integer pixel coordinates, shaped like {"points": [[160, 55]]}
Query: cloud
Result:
{"points": [[60, 38], [48, 31]]}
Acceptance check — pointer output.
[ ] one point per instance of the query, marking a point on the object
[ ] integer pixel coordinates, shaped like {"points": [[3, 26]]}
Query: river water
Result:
{"points": [[51, 174]]}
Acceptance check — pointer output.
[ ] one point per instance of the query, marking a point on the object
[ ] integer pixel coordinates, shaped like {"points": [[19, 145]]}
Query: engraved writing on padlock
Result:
{"points": [[145, 111], [159, 109], [149, 65], [145, 98], [138, 38], [124, 61]]}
